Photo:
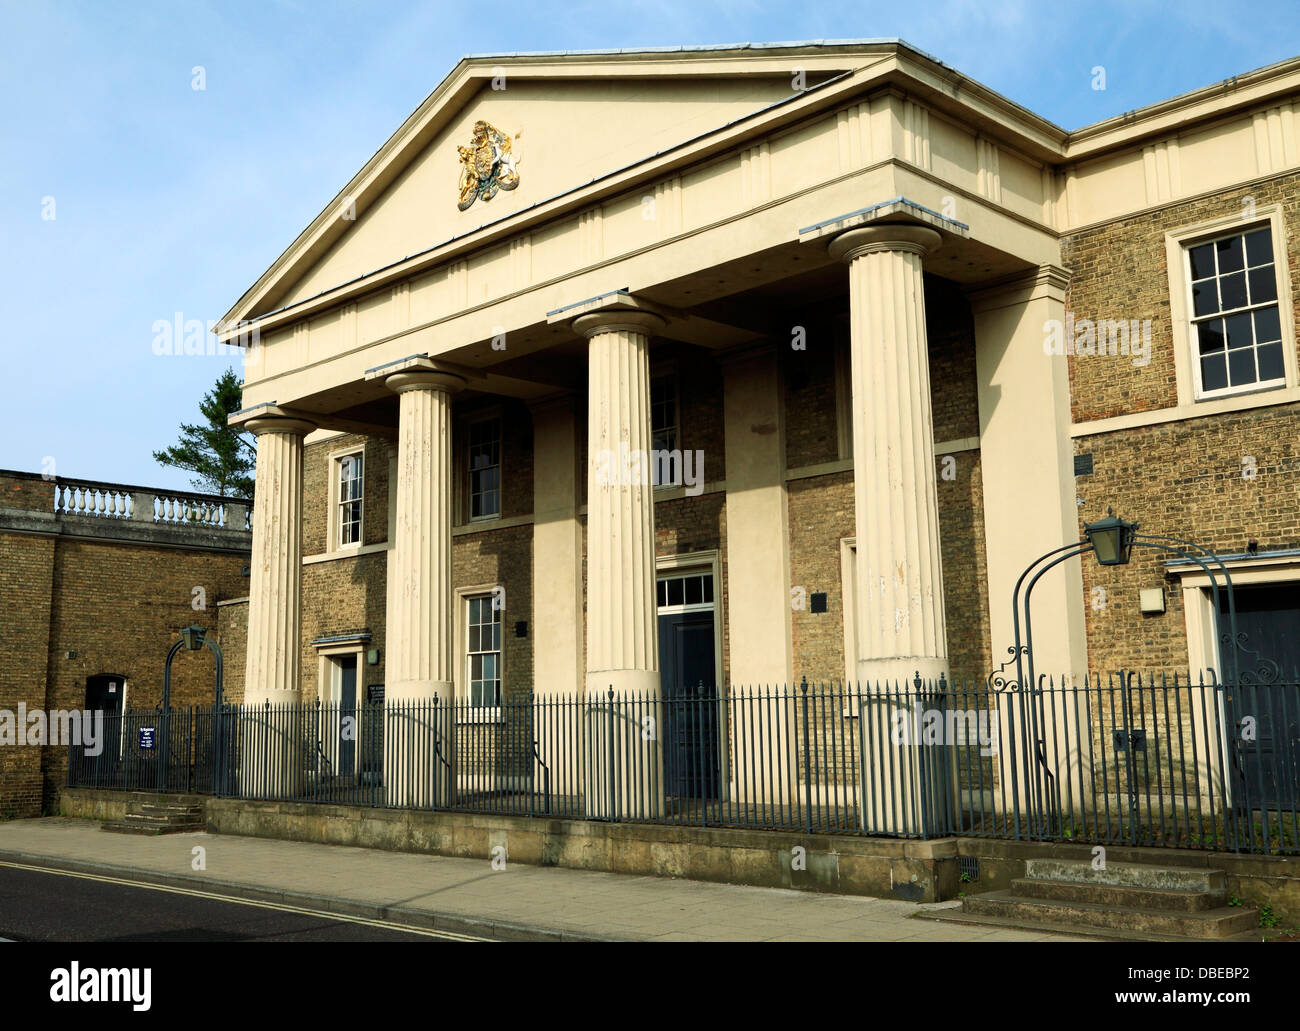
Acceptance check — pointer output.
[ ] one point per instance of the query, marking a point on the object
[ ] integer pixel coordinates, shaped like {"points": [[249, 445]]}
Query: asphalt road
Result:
{"points": [[48, 906]]}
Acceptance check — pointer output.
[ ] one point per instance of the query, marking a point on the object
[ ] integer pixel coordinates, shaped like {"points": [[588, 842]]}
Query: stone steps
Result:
{"points": [[1217, 923], [1130, 901], [153, 816], [1175, 900], [1131, 875]]}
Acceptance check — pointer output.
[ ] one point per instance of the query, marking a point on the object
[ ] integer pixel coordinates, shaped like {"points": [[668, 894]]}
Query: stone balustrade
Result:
{"points": [[116, 501]]}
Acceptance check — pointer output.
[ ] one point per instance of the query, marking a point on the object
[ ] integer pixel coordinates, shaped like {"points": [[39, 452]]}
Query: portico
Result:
{"points": [[730, 254]]}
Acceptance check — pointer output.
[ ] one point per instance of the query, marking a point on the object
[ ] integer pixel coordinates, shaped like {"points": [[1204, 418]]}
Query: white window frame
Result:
{"points": [[471, 713], [334, 527], [664, 575], [478, 420], [1178, 244]]}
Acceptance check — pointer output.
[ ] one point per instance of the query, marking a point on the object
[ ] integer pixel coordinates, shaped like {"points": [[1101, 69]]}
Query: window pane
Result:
{"points": [[676, 594], [1270, 362], [1205, 298], [1214, 372], [1210, 335], [1241, 366], [1267, 326], [1259, 247], [663, 592], [1232, 291], [1263, 285], [1202, 259], [1239, 334], [708, 587], [1230, 254], [694, 591]]}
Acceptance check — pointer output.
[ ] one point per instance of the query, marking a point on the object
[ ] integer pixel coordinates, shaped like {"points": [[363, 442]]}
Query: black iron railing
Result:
{"points": [[1122, 759]]}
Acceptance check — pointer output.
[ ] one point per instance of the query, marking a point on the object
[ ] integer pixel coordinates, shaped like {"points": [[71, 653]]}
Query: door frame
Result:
{"points": [[328, 688], [709, 561], [1201, 621], [1202, 624], [121, 709]]}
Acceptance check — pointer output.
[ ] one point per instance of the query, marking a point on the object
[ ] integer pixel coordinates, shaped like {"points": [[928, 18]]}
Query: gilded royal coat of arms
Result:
{"points": [[486, 165]]}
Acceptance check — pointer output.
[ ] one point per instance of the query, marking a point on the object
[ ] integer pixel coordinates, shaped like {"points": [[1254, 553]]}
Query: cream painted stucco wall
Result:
{"points": [[758, 543]]}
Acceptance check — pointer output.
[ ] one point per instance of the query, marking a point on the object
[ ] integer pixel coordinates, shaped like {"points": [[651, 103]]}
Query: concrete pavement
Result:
{"points": [[470, 896]]}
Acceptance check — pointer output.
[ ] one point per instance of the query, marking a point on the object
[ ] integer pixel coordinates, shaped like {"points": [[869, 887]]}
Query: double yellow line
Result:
{"points": [[276, 906]]}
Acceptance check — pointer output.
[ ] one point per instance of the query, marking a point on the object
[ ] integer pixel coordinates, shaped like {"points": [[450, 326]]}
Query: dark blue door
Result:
{"points": [[1267, 769], [689, 685], [347, 715]]}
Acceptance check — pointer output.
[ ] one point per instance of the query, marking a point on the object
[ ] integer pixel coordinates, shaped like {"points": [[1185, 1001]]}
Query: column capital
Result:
{"points": [[609, 313], [446, 382], [615, 320], [913, 239], [269, 417], [278, 424]]}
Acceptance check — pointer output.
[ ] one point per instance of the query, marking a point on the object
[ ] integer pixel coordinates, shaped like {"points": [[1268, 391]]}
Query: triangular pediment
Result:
{"points": [[571, 119]]}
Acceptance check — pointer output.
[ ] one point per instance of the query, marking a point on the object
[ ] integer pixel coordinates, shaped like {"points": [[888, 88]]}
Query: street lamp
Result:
{"points": [[193, 636], [1111, 539]]}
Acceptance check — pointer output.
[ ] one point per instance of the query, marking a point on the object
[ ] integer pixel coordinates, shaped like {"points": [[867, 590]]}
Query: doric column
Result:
{"points": [[418, 737], [901, 625], [271, 762], [272, 668], [420, 618], [622, 635], [622, 756]]}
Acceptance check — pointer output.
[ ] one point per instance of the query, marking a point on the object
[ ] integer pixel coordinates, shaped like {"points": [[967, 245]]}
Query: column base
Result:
{"points": [[271, 758], [901, 671], [419, 691], [623, 746], [419, 743], [906, 783], [641, 682]]}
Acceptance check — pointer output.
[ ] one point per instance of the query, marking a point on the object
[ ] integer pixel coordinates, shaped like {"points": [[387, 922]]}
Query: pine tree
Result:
{"points": [[221, 457]]}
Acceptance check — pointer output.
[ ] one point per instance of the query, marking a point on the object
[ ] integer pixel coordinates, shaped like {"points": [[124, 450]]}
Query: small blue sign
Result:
{"points": [[146, 739]]}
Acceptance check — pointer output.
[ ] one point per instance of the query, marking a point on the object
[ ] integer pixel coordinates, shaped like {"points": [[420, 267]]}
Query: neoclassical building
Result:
{"points": [[651, 368]]}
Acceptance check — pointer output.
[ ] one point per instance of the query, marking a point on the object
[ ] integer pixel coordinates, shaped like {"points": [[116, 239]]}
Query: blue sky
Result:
{"points": [[168, 199]]}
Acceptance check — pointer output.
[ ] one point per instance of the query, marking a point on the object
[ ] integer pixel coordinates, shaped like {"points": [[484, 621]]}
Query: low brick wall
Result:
{"points": [[102, 804], [919, 871]]}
